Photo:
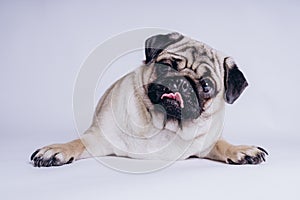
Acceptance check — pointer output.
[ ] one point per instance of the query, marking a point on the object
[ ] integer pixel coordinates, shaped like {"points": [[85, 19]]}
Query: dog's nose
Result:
{"points": [[183, 84], [178, 84]]}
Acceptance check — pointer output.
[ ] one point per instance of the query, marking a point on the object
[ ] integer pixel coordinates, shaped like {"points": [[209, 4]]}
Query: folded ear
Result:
{"points": [[156, 44], [234, 81]]}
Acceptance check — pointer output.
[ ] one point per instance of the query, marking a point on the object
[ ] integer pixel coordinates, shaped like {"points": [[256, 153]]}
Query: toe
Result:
{"points": [[249, 159], [34, 154], [256, 158], [263, 150], [70, 160]]}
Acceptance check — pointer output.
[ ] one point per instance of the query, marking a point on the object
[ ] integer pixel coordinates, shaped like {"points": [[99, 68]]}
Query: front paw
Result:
{"points": [[53, 155], [241, 155]]}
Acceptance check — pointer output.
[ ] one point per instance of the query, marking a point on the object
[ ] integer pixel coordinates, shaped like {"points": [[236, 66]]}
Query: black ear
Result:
{"points": [[234, 81], [156, 44]]}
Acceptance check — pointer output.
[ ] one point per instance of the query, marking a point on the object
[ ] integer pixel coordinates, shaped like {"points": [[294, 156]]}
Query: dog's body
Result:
{"points": [[170, 108]]}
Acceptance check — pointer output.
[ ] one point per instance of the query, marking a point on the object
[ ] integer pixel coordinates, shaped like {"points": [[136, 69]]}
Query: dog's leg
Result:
{"points": [[225, 152], [57, 154], [60, 154]]}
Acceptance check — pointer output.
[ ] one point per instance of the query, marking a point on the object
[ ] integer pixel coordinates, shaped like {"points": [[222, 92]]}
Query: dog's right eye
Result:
{"points": [[162, 68]]}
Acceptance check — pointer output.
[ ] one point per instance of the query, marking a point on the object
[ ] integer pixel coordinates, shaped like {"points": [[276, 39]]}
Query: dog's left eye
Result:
{"points": [[207, 85]]}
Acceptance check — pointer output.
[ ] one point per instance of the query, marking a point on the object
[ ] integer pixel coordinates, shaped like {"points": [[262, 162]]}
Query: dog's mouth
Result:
{"points": [[181, 103], [175, 97]]}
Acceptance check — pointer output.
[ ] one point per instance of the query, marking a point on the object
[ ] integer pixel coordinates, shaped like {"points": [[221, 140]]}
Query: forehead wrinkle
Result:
{"points": [[194, 53], [203, 70], [186, 53], [200, 61], [193, 63]]}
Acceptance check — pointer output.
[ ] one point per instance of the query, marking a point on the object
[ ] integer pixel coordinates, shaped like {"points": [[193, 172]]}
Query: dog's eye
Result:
{"points": [[162, 68], [166, 62], [207, 85]]}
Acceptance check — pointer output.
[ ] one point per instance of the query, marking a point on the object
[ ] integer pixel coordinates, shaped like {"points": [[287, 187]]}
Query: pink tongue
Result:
{"points": [[177, 96]]}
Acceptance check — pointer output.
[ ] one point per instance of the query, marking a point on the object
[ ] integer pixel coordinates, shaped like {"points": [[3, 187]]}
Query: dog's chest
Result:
{"points": [[175, 142], [170, 143]]}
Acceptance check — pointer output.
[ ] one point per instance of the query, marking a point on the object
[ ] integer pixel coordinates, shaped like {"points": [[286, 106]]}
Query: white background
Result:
{"points": [[44, 43]]}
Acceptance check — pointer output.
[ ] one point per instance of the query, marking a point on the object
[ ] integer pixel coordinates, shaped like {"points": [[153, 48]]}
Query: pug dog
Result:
{"points": [[170, 108]]}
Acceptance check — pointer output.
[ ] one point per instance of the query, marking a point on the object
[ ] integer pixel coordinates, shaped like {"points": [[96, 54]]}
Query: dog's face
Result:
{"points": [[187, 76]]}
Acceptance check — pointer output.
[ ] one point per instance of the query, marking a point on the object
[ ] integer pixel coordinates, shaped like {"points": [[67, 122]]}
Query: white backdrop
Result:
{"points": [[44, 43]]}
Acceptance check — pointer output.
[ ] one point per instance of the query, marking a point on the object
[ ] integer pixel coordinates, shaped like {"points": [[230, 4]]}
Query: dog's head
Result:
{"points": [[187, 76]]}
